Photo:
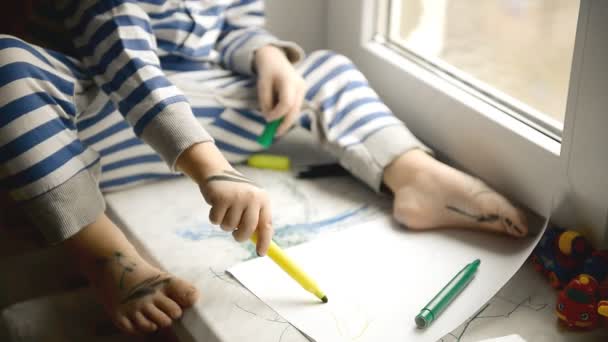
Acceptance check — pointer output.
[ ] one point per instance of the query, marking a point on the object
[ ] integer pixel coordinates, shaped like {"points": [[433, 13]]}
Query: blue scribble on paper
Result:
{"points": [[200, 232], [295, 234], [285, 236]]}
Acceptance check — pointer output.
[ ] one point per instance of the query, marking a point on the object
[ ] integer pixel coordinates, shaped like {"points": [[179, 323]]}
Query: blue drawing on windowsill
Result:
{"points": [[286, 235]]}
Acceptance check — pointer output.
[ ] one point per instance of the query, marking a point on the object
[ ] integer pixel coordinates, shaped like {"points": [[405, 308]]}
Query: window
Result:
{"points": [[515, 53], [537, 136]]}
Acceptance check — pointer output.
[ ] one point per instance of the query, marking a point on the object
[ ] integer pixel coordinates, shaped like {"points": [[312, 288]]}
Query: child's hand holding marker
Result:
{"points": [[281, 89], [237, 204]]}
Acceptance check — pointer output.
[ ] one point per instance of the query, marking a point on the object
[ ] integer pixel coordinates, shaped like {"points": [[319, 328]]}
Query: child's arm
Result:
{"points": [[243, 34], [236, 202], [114, 40], [247, 48]]}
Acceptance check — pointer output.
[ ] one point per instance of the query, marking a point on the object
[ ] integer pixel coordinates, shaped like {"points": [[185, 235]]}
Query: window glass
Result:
{"points": [[519, 51]]}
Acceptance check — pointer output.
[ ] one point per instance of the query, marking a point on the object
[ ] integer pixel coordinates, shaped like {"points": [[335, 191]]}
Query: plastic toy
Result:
{"points": [[602, 311], [597, 267], [569, 262], [602, 308], [560, 255], [578, 304]]}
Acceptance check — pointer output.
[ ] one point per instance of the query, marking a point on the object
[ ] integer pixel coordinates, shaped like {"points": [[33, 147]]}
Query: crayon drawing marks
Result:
{"points": [[351, 320], [465, 326], [200, 232], [295, 234], [225, 277], [347, 333], [503, 309], [285, 236], [276, 319], [283, 332]]}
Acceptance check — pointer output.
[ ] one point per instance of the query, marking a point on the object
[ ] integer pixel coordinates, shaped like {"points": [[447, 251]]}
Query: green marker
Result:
{"points": [[441, 300], [268, 135]]}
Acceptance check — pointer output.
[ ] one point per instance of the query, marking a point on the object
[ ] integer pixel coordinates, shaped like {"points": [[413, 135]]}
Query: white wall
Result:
{"points": [[303, 21]]}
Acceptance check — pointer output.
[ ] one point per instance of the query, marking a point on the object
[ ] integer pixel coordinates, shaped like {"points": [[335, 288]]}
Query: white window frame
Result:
{"points": [[531, 168]]}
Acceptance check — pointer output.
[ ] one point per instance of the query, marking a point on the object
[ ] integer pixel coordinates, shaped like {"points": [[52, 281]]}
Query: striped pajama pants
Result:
{"points": [[55, 123]]}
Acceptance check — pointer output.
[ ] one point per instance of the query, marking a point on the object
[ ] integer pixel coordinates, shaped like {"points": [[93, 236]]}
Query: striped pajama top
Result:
{"points": [[124, 48], [124, 44]]}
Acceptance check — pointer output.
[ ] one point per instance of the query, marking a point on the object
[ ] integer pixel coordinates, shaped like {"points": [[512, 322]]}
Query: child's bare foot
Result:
{"points": [[138, 297], [430, 194]]}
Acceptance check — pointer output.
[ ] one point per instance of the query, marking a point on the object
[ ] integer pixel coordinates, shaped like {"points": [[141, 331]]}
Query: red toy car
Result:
{"points": [[578, 304]]}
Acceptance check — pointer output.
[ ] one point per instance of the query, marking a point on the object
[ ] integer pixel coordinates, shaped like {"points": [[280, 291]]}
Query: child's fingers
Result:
{"points": [[286, 124], [264, 230], [249, 221], [292, 116], [286, 100], [232, 218], [265, 94], [217, 213]]}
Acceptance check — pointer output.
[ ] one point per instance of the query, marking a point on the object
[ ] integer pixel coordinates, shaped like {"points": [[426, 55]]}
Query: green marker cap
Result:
{"points": [[268, 135]]}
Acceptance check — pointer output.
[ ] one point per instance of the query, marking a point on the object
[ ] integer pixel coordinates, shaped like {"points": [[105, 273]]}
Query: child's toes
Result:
{"points": [[169, 307], [522, 221], [142, 324], [155, 315], [520, 224], [514, 223], [181, 292], [124, 324]]}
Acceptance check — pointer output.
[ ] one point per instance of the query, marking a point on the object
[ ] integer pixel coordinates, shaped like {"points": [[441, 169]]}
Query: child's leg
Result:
{"points": [[349, 118], [42, 162], [223, 102], [53, 175], [138, 297], [346, 116], [125, 160]]}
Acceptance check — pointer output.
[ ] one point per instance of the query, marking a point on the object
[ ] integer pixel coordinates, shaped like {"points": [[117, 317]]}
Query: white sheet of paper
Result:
{"points": [[378, 276]]}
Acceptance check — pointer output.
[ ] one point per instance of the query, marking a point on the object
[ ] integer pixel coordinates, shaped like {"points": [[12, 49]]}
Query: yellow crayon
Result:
{"points": [[269, 161], [292, 269]]}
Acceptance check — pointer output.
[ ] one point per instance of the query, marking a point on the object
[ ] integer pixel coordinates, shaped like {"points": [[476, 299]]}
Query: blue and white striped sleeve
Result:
{"points": [[243, 33], [114, 40]]}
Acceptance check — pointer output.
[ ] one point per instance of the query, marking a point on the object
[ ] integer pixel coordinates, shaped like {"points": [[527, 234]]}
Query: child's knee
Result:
{"points": [[328, 72], [19, 56], [27, 71], [8, 43], [8, 37]]}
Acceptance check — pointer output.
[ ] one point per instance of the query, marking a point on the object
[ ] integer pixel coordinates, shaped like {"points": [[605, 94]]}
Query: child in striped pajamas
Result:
{"points": [[157, 87]]}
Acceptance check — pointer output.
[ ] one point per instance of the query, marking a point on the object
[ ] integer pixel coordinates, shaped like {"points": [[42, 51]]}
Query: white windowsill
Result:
{"points": [[474, 103]]}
